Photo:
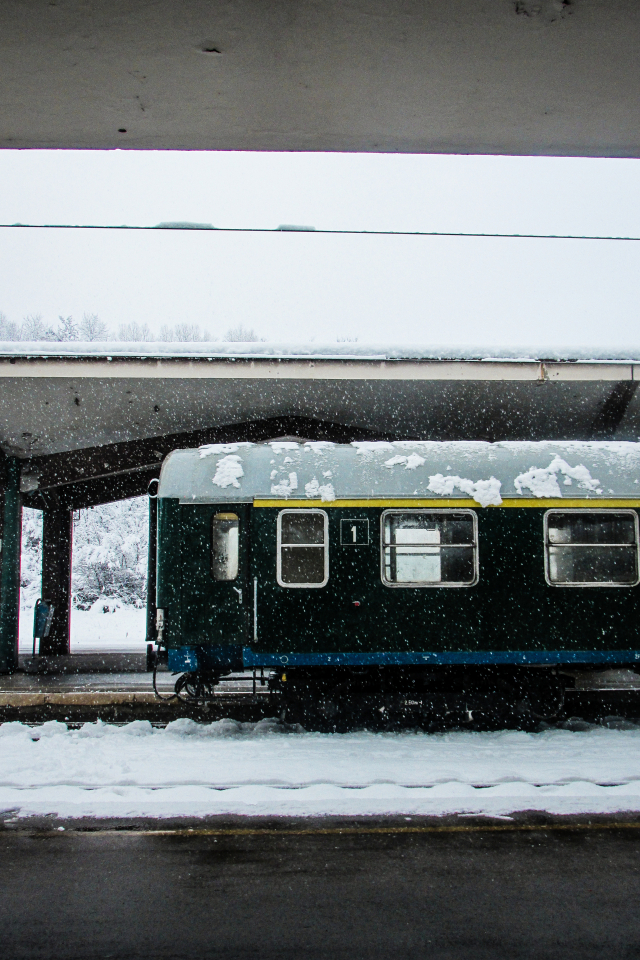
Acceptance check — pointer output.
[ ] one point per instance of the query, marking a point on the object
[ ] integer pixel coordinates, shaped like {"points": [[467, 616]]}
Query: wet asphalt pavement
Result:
{"points": [[322, 889]]}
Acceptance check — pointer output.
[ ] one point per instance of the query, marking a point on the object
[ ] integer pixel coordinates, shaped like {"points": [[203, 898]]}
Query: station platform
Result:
{"points": [[116, 688]]}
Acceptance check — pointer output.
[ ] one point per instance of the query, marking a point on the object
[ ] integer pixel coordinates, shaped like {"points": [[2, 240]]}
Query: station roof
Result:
{"points": [[485, 473], [79, 412], [555, 77]]}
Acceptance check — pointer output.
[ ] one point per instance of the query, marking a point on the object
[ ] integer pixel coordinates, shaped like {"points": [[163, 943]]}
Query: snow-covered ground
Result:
{"points": [[190, 769], [123, 630]]}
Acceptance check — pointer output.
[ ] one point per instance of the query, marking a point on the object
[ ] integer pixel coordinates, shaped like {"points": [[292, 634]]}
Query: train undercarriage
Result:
{"points": [[384, 698], [388, 697]]}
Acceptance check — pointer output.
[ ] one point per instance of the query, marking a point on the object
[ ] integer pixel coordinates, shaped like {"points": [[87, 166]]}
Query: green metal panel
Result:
{"points": [[169, 567], [152, 565], [355, 612], [199, 609], [512, 607]]}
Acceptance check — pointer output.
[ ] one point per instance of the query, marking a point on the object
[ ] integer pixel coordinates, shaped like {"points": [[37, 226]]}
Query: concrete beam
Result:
{"points": [[53, 405], [98, 368], [555, 77]]}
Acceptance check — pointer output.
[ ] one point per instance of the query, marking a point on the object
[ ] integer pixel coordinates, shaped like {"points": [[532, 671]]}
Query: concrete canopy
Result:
{"points": [[96, 426], [557, 77]]}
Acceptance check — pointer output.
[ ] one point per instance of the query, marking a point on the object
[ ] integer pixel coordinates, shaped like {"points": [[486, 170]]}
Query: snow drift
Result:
{"points": [[227, 767]]}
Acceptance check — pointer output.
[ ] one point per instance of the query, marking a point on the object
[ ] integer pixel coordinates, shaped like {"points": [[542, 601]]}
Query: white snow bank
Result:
{"points": [[228, 471], [322, 491], [411, 462], [484, 492], [285, 487], [544, 482], [229, 767]]}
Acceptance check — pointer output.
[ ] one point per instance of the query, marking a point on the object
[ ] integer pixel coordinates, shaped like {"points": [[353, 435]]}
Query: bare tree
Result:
{"points": [[67, 330], [190, 333], [33, 327], [8, 329], [241, 334], [134, 332], [184, 333], [93, 328]]}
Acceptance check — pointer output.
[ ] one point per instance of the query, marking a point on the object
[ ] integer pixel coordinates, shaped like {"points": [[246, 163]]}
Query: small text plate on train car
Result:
{"points": [[354, 533]]}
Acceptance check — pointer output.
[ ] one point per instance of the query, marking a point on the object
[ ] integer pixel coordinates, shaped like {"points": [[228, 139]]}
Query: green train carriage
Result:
{"points": [[428, 576]]}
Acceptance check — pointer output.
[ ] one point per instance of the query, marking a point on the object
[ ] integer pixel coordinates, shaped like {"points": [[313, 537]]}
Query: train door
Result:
{"points": [[229, 593]]}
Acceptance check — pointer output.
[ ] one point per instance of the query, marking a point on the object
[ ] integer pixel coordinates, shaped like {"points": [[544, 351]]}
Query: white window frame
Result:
{"points": [[280, 545], [584, 583], [437, 512]]}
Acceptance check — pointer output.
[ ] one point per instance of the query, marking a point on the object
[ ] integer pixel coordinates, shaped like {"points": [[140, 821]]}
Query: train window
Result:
{"points": [[303, 548], [591, 548], [225, 546], [429, 548]]}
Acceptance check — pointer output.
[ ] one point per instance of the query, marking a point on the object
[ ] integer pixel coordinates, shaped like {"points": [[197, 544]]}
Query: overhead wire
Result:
{"points": [[202, 227]]}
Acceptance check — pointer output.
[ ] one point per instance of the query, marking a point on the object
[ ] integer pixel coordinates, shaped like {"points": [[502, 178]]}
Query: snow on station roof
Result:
{"points": [[310, 350]]}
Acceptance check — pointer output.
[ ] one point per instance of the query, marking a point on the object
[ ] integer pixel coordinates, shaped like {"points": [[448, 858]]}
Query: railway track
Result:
{"points": [[124, 706], [116, 689]]}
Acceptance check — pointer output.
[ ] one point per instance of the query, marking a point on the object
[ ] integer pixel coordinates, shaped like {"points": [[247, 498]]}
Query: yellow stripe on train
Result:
{"points": [[540, 503]]}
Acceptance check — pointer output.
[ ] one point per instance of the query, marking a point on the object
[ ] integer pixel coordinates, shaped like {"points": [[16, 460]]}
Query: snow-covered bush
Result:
{"points": [[110, 545], [31, 563]]}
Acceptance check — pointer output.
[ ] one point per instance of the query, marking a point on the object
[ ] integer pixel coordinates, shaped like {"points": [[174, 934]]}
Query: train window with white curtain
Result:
{"points": [[225, 546], [429, 548], [591, 548], [303, 548]]}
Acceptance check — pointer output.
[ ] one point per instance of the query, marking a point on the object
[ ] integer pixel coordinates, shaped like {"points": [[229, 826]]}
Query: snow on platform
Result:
{"points": [[123, 630], [190, 769]]}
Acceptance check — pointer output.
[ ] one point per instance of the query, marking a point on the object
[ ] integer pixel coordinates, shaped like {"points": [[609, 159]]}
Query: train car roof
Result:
{"points": [[483, 473]]}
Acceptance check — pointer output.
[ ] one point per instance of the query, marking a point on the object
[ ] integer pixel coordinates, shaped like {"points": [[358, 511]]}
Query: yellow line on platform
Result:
{"points": [[365, 831]]}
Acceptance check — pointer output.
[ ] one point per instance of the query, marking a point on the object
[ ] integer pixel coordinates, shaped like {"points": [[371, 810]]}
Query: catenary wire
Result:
{"points": [[291, 229]]}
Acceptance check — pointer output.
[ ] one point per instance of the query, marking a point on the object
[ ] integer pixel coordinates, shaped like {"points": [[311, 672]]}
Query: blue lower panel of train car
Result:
{"points": [[220, 659], [398, 659], [235, 658]]}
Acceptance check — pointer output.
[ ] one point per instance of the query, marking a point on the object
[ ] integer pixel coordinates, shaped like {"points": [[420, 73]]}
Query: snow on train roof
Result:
{"points": [[321, 471]]}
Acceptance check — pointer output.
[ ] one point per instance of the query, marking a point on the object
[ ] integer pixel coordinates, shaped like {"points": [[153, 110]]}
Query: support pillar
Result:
{"points": [[151, 564], [10, 579], [57, 536]]}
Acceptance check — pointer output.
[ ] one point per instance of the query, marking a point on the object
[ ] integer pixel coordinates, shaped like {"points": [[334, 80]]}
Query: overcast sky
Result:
{"points": [[299, 286]]}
